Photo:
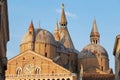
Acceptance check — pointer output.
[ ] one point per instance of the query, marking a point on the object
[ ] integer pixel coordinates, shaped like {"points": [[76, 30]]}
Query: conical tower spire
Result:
{"points": [[65, 38], [57, 27], [30, 36], [39, 26], [63, 20], [56, 32], [94, 36], [31, 27]]}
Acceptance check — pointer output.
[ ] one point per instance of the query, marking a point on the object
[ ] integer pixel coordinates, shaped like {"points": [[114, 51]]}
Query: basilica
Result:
{"points": [[47, 56]]}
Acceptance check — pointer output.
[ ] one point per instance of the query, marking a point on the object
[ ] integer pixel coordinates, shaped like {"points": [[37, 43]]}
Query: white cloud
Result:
{"points": [[69, 14]]}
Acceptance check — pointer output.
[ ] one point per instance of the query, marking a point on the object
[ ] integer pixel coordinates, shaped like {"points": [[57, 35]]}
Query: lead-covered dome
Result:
{"points": [[44, 36], [93, 49], [38, 35]]}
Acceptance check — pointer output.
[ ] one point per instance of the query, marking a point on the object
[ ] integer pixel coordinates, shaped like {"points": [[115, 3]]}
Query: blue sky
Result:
{"points": [[80, 16]]}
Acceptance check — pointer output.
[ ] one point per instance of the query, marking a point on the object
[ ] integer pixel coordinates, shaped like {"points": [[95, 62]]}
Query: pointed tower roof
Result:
{"points": [[29, 36], [57, 27], [94, 31], [31, 27], [94, 36], [39, 26], [56, 32], [63, 20], [65, 38]]}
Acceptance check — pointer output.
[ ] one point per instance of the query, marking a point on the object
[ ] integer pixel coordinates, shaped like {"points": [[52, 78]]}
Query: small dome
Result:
{"points": [[92, 49], [27, 38], [44, 36]]}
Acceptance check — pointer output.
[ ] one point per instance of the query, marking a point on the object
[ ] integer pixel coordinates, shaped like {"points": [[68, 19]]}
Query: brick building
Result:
{"points": [[47, 56]]}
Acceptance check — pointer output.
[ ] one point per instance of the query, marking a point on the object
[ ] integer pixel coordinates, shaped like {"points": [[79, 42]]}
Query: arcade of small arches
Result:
{"points": [[47, 79]]}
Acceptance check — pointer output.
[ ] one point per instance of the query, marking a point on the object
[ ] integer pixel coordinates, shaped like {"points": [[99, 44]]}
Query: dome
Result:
{"points": [[44, 36], [27, 38], [93, 49], [40, 35], [86, 53]]}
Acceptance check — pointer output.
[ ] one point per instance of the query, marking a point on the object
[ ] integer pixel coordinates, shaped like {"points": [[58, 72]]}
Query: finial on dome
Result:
{"points": [[39, 25], [94, 28], [62, 5], [94, 18]]}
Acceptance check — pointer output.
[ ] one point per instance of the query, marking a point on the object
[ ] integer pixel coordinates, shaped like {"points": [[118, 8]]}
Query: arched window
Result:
{"points": [[68, 78], [45, 54], [23, 58], [18, 71], [102, 68], [63, 79], [33, 58], [95, 41], [52, 72], [37, 71]]}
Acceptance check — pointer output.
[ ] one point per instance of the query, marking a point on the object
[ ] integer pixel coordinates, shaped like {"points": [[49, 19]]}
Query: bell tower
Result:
{"points": [[65, 37], [94, 36]]}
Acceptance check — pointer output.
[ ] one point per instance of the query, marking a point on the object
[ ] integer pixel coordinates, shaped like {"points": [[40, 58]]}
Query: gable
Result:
{"points": [[46, 65]]}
